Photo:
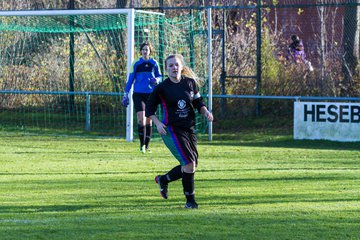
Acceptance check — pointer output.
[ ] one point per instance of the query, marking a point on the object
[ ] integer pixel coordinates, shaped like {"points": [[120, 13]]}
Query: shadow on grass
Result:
{"points": [[110, 173], [283, 179], [274, 199], [250, 137], [275, 139], [42, 208]]}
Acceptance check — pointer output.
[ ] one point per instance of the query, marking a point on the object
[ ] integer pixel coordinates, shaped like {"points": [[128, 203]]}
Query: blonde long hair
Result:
{"points": [[187, 71]]}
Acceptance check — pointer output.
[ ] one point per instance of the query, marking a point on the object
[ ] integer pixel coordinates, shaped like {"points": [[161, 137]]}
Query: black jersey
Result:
{"points": [[178, 101]]}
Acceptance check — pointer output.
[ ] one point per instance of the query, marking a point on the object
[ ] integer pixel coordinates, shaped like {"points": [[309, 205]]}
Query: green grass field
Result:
{"points": [[252, 185]]}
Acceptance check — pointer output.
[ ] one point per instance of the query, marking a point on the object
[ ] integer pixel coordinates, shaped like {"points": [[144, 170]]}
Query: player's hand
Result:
{"points": [[161, 128], [153, 81], [209, 116], [125, 100]]}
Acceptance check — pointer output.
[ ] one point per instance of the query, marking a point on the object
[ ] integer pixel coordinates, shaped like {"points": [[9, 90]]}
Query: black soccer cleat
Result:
{"points": [[192, 205], [163, 187]]}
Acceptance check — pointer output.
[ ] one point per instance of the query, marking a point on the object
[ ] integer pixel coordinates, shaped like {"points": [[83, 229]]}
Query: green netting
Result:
{"points": [[35, 55], [63, 24]]}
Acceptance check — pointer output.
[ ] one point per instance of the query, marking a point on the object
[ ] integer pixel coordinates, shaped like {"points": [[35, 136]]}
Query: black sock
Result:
{"points": [[188, 185], [148, 133], [173, 175], [141, 134]]}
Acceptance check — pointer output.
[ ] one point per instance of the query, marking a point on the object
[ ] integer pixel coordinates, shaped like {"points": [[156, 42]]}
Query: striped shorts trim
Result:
{"points": [[182, 144]]}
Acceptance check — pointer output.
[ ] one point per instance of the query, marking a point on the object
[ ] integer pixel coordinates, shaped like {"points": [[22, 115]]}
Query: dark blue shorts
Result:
{"points": [[182, 143], [138, 98]]}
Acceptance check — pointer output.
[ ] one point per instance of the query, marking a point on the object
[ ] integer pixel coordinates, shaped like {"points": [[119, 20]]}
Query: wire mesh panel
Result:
{"points": [[69, 70], [322, 32], [62, 53], [324, 63]]}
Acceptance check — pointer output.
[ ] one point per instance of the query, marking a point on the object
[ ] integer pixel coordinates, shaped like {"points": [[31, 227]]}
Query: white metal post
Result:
{"points": [[130, 59], [209, 23]]}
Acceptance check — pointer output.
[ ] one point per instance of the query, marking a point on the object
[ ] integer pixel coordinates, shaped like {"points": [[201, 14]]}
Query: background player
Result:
{"points": [[144, 75], [297, 52]]}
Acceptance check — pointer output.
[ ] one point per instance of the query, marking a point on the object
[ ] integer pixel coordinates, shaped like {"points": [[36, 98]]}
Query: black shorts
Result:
{"points": [[138, 98], [182, 143]]}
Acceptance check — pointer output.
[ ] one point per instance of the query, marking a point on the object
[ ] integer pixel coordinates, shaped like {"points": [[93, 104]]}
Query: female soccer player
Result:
{"points": [[146, 74], [179, 97]]}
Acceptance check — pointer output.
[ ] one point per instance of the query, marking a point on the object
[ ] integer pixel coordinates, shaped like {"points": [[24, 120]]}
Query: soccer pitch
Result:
{"points": [[254, 185]]}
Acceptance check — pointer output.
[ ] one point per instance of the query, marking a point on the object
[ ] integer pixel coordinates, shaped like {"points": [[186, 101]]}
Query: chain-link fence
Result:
{"points": [[264, 48]]}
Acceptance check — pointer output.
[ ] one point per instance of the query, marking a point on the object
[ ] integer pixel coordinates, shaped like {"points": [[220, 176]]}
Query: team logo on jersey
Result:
{"points": [[181, 104]]}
